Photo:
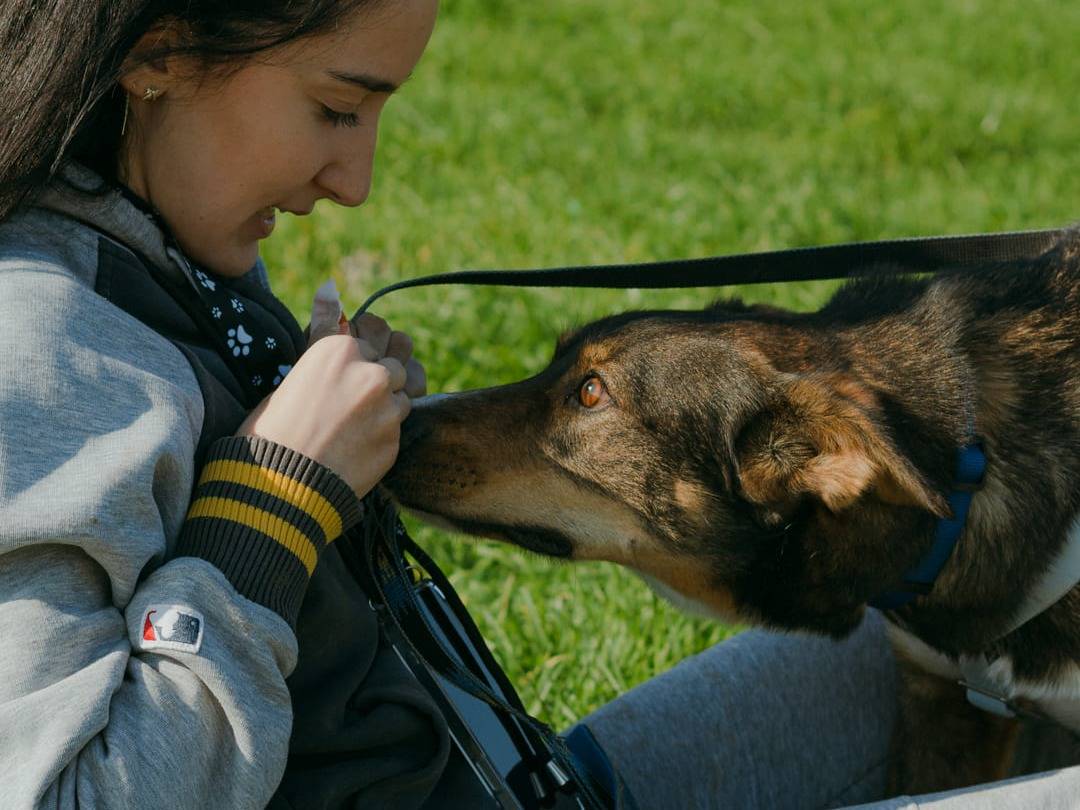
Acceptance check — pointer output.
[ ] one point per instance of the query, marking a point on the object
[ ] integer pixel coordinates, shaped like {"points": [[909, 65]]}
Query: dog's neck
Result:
{"points": [[942, 365]]}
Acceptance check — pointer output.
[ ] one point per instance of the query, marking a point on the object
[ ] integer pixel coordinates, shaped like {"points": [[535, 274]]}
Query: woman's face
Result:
{"points": [[294, 127]]}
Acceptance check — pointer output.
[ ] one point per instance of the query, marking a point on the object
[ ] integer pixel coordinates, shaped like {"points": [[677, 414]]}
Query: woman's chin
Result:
{"points": [[230, 263]]}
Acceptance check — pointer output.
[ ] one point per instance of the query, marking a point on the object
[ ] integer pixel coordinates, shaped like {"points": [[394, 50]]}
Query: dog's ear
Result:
{"points": [[817, 436]]}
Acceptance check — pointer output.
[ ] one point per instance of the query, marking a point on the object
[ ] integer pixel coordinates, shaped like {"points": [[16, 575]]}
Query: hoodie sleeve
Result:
{"points": [[143, 647]]}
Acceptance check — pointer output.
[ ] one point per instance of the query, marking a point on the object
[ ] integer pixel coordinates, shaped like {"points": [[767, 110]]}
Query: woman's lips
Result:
{"points": [[266, 220], [267, 217]]}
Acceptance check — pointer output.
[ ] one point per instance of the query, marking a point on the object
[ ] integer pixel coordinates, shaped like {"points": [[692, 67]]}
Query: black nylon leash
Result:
{"points": [[910, 255], [381, 542]]}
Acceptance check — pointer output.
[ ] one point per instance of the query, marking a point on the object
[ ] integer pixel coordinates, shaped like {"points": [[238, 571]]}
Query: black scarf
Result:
{"points": [[254, 333]]}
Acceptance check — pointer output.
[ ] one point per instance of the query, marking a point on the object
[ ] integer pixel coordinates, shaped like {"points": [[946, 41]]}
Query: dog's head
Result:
{"points": [[674, 443]]}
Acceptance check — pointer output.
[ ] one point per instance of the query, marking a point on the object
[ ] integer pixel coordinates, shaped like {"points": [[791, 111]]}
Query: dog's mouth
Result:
{"points": [[533, 538], [542, 541]]}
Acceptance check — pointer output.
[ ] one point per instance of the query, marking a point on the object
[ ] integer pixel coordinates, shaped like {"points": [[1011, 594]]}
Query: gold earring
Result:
{"points": [[127, 104], [151, 93]]}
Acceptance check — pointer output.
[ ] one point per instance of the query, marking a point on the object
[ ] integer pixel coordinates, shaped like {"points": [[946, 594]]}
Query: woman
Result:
{"points": [[146, 147], [173, 473]]}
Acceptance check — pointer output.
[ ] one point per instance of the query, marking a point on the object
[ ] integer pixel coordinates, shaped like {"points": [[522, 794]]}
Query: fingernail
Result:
{"points": [[328, 292], [326, 312]]}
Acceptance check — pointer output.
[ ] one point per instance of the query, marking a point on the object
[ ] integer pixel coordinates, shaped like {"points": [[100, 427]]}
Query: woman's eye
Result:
{"points": [[592, 393], [340, 119]]}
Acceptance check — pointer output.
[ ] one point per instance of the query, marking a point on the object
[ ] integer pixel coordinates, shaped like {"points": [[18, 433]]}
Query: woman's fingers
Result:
{"points": [[398, 376], [367, 351], [374, 330], [415, 378], [320, 329], [326, 315], [400, 345], [404, 404], [378, 342]]}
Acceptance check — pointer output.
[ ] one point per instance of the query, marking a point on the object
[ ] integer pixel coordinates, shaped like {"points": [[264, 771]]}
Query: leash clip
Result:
{"points": [[982, 698], [988, 701]]}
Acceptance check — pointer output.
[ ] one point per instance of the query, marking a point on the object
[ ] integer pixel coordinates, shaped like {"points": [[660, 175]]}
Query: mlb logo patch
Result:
{"points": [[172, 627]]}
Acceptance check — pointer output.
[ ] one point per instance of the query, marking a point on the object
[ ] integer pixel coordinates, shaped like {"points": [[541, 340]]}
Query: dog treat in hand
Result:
{"points": [[327, 315]]}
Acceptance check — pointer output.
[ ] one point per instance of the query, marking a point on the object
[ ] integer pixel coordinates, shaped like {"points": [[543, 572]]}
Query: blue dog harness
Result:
{"points": [[987, 687], [970, 471]]}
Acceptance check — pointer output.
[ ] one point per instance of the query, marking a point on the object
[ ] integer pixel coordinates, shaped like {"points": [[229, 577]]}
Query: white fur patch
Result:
{"points": [[683, 602], [918, 652], [1058, 699]]}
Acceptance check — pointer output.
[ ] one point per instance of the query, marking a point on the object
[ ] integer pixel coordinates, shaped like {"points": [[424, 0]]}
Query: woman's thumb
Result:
{"points": [[327, 316]]}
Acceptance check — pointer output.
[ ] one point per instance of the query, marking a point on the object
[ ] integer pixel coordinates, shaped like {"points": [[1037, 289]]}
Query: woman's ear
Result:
{"points": [[149, 63], [817, 437]]}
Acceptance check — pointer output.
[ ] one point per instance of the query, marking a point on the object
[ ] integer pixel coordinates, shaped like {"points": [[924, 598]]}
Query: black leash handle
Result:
{"points": [[384, 571], [910, 255]]}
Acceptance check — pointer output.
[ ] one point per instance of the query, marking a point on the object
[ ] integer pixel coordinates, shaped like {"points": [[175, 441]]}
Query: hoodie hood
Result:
{"points": [[83, 195]]}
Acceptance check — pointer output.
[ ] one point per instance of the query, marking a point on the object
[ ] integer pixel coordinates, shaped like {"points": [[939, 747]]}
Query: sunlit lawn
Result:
{"points": [[573, 131]]}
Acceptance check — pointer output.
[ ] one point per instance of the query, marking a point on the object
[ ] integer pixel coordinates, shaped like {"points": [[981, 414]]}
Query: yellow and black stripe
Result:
{"points": [[263, 513]]}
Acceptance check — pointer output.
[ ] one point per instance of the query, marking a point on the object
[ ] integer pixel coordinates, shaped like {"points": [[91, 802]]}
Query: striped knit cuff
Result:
{"points": [[263, 513]]}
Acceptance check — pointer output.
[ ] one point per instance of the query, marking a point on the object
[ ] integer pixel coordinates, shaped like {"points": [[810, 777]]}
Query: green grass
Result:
{"points": [[574, 131]]}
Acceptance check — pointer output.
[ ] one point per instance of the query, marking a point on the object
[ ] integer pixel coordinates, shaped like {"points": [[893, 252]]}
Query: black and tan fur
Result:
{"points": [[783, 469]]}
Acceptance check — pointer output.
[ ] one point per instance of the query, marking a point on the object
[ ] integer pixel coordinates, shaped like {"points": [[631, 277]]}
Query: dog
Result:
{"points": [[782, 469]]}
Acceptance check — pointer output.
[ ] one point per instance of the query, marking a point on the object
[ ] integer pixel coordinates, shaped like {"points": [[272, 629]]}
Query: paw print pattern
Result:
{"points": [[205, 280], [240, 341], [255, 346], [282, 371]]}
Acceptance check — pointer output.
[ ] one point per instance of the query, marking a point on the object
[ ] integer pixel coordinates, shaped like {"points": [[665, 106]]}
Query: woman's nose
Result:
{"points": [[347, 179]]}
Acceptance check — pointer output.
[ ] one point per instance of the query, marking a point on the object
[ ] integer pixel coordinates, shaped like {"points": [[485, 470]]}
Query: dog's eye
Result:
{"points": [[592, 393]]}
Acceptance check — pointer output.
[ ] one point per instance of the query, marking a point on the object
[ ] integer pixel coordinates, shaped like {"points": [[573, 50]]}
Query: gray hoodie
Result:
{"points": [[150, 603]]}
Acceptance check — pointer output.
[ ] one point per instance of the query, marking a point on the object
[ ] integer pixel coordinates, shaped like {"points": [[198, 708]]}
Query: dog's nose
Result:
{"points": [[432, 413], [430, 400], [415, 427]]}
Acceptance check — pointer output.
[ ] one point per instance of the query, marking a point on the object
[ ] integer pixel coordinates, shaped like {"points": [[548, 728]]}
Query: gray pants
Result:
{"points": [[766, 720]]}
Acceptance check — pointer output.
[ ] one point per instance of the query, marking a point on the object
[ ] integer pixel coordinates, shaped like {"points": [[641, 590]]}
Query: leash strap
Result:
{"points": [[911, 255], [386, 575]]}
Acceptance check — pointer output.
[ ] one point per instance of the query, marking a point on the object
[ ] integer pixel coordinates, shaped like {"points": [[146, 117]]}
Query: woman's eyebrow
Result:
{"points": [[371, 83]]}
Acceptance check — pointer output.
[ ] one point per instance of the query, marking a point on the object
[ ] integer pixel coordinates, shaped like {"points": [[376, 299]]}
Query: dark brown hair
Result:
{"points": [[61, 61]]}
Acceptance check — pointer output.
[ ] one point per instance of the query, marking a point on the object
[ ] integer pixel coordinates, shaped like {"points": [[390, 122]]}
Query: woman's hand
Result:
{"points": [[327, 319], [340, 405], [389, 343], [344, 401]]}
